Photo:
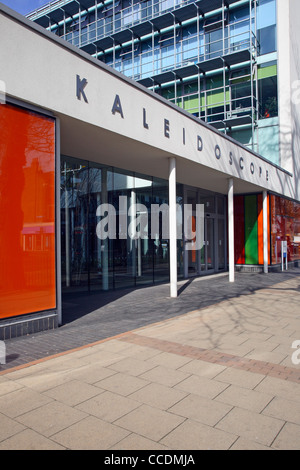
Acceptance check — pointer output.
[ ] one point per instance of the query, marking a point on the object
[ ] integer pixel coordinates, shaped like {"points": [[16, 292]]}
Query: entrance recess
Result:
{"points": [[208, 256]]}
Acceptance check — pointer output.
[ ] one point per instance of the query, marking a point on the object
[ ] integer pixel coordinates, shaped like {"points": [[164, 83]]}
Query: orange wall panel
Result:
{"points": [[260, 229], [27, 212]]}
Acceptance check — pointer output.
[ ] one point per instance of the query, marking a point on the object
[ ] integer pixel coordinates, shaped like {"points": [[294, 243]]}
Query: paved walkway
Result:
{"points": [[213, 369]]}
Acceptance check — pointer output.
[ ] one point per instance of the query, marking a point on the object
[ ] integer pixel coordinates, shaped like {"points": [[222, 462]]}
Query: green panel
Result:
{"points": [[215, 99], [265, 72], [191, 102], [251, 235], [179, 103]]}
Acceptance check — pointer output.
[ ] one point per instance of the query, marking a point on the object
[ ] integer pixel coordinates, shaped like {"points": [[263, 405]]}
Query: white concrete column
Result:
{"points": [[231, 230], [265, 232], [172, 227]]}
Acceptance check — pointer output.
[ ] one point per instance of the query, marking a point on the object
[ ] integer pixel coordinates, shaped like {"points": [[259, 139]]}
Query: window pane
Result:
{"points": [[266, 13], [267, 40], [74, 224], [268, 97], [27, 208]]}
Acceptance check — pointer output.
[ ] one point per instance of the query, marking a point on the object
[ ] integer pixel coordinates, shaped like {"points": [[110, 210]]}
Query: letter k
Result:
{"points": [[80, 86]]}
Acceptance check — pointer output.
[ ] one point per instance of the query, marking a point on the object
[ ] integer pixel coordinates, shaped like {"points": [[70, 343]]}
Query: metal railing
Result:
{"points": [[179, 51]]}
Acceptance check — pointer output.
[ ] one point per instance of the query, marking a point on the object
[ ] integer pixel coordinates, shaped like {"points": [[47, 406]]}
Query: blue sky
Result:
{"points": [[24, 6]]}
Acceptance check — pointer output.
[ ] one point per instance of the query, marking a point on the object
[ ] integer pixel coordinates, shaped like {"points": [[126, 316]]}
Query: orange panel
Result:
{"points": [[260, 229], [27, 212]]}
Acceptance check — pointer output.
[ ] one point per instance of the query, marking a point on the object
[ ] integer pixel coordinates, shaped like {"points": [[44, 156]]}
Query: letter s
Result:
{"points": [[296, 354]]}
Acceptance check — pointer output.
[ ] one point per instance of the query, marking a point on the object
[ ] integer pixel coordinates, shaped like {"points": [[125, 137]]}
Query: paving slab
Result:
{"points": [[91, 433], [158, 396], [245, 398], [252, 426], [204, 410], [288, 438], [212, 369], [72, 392], [150, 422], [51, 418], [193, 435], [29, 440]]}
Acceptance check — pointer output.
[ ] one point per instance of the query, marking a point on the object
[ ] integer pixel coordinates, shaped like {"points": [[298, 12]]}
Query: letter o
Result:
{"points": [[217, 152], [252, 168]]}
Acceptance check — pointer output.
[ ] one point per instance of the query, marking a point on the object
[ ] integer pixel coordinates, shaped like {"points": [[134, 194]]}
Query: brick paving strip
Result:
{"points": [[251, 365]]}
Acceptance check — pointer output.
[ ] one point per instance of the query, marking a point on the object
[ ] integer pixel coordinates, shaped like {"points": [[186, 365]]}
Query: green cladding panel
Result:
{"points": [[251, 230]]}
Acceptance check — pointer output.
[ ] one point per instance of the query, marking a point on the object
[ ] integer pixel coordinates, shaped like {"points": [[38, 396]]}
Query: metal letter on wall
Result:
{"points": [[80, 86], [117, 107]]}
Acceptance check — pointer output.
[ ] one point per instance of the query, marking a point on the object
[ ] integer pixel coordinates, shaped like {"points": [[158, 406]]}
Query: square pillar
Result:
{"points": [[231, 230], [265, 232], [172, 227]]}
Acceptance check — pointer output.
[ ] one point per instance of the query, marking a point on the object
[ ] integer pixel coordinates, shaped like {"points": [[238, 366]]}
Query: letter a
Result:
{"points": [[117, 107]]}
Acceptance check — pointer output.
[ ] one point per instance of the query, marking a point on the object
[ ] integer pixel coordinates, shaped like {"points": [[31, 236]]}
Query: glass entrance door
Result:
{"points": [[192, 253], [221, 244], [209, 232], [211, 256], [208, 249]]}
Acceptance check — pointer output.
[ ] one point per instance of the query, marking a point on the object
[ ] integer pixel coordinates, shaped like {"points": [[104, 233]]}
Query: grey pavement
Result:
{"points": [[135, 370]]}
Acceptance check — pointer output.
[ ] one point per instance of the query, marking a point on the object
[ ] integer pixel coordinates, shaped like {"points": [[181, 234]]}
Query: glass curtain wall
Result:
{"points": [[135, 256]]}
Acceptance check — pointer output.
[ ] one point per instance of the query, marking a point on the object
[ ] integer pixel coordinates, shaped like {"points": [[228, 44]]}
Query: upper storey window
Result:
{"points": [[266, 26], [239, 29]]}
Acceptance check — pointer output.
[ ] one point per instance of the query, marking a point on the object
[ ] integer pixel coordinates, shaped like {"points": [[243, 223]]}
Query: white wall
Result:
{"points": [[288, 43], [295, 87]]}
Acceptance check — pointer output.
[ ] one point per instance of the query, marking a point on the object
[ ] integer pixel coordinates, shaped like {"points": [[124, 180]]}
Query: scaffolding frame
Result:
{"points": [[138, 21]]}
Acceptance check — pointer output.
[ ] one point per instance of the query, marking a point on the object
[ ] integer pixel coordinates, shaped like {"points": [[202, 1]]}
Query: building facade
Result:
{"points": [[216, 59], [183, 110]]}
